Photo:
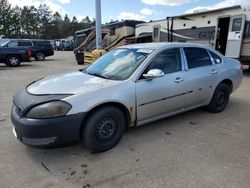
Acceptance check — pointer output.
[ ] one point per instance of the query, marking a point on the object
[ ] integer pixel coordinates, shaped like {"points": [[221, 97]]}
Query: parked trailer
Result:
{"points": [[226, 29], [114, 34]]}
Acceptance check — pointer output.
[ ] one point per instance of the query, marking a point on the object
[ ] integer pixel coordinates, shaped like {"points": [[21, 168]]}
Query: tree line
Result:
{"points": [[31, 22]]}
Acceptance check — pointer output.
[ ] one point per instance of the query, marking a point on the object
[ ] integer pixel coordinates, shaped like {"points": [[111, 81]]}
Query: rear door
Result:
{"points": [[235, 35], [201, 76]]}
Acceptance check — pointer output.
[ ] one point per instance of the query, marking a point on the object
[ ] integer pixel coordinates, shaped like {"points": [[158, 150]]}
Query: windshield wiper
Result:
{"points": [[94, 74], [83, 70], [98, 75]]}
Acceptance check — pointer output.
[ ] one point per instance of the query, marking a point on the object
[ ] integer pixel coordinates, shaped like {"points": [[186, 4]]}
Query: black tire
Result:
{"points": [[104, 129], [12, 61], [220, 98], [39, 56]]}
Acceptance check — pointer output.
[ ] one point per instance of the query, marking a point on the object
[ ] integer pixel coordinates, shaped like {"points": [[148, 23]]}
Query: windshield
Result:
{"points": [[118, 64]]}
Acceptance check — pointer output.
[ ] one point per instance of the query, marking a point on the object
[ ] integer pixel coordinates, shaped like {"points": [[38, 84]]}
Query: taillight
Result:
{"points": [[29, 53], [241, 66]]}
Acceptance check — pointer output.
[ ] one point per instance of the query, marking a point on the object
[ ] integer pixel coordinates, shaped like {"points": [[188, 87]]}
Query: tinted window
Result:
{"points": [[216, 58], [247, 30], [24, 43], [168, 61], [42, 43], [197, 57]]}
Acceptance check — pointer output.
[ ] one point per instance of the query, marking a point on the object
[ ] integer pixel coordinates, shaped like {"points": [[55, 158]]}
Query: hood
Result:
{"points": [[69, 83]]}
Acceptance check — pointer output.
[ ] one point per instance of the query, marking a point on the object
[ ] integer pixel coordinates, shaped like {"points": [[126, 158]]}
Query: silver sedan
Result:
{"points": [[129, 86]]}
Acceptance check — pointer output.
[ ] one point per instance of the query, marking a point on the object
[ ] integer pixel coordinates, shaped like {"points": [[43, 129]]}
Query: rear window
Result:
{"points": [[197, 57]]}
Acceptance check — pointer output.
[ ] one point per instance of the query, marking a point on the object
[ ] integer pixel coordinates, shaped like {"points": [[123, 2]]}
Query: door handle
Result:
{"points": [[214, 71], [178, 80]]}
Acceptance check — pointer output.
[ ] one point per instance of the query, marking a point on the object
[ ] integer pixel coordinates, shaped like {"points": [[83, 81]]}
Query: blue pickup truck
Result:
{"points": [[14, 56], [40, 48]]}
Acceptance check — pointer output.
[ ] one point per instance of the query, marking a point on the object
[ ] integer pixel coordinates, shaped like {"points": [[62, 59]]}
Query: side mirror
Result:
{"points": [[153, 73], [217, 61]]}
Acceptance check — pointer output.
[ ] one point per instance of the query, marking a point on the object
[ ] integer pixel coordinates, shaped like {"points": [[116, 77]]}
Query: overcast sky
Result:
{"points": [[130, 9]]}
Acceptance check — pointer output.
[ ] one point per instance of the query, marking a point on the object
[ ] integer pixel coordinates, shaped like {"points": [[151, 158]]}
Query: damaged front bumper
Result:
{"points": [[46, 132]]}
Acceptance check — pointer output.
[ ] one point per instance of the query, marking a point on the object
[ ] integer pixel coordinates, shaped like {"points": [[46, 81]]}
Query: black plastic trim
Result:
{"points": [[173, 96]]}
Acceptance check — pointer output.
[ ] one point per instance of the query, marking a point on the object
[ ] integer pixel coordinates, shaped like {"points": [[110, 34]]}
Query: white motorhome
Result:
{"points": [[225, 29]]}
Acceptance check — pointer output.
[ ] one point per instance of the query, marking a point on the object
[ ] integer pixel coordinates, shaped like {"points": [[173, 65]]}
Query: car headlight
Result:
{"points": [[49, 110]]}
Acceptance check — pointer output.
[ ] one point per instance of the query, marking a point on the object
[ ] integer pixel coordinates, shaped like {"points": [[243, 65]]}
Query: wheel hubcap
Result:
{"points": [[13, 61], [106, 130], [40, 56], [220, 98]]}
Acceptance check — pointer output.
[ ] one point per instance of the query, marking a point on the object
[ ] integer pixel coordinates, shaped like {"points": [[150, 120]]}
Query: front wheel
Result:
{"points": [[40, 56], [12, 61], [104, 129], [220, 98]]}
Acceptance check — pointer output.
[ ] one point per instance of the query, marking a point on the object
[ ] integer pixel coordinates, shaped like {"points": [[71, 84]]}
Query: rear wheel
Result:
{"points": [[220, 98], [12, 61], [104, 129], [40, 56]]}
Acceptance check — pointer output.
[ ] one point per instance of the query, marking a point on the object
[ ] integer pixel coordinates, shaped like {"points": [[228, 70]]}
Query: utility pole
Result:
{"points": [[98, 24]]}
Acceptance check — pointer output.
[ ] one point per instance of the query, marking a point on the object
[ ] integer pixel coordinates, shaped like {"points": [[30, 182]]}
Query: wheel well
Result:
{"points": [[9, 55], [229, 83], [120, 106], [40, 52]]}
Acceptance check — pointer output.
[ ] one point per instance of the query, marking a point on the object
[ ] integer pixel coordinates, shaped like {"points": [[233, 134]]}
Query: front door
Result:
{"points": [[164, 95], [235, 35]]}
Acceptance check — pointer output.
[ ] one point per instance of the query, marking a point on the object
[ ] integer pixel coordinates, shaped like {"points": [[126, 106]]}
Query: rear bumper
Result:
{"points": [[26, 59], [237, 81], [47, 132]]}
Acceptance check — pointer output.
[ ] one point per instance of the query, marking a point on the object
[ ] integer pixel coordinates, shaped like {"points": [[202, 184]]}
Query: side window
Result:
{"points": [[247, 30], [156, 32], [168, 61], [197, 57], [24, 43], [237, 24], [12, 44], [216, 58]]}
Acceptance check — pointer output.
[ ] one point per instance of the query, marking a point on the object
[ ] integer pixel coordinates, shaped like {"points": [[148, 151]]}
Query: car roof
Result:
{"points": [[159, 45]]}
